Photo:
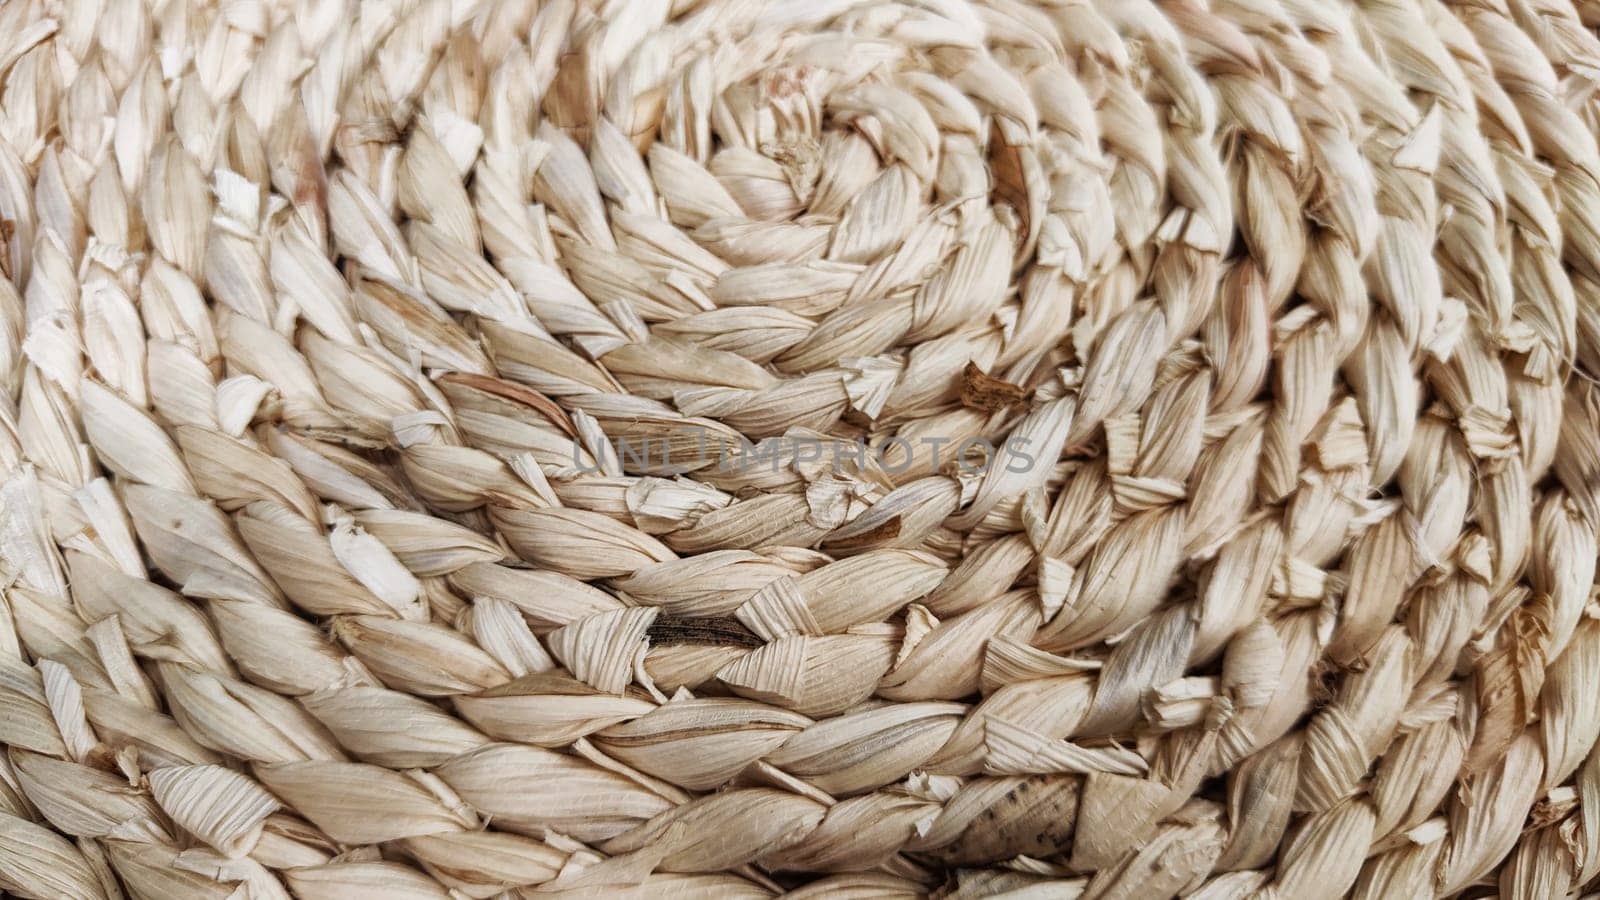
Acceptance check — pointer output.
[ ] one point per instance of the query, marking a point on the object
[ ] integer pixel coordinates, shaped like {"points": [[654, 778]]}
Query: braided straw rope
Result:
{"points": [[331, 334]]}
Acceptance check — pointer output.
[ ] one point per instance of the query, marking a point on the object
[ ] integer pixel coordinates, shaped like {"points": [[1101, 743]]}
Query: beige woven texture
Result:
{"points": [[330, 333]]}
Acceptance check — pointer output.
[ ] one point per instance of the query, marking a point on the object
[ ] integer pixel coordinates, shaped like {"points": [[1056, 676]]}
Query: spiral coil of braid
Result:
{"points": [[862, 448]]}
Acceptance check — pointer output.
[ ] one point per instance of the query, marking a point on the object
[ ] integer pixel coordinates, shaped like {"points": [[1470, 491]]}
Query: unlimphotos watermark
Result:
{"points": [[690, 449]]}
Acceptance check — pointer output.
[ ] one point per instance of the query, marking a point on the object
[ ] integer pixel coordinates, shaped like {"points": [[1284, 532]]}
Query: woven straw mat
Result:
{"points": [[836, 448]]}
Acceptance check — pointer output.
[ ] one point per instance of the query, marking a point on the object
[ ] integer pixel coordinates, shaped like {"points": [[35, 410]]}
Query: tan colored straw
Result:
{"points": [[491, 449]]}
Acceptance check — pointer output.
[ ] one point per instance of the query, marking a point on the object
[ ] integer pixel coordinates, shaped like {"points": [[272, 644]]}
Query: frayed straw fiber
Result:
{"points": [[720, 448]]}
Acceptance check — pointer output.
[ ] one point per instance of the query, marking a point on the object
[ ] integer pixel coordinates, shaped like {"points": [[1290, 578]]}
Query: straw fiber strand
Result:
{"points": [[678, 448]]}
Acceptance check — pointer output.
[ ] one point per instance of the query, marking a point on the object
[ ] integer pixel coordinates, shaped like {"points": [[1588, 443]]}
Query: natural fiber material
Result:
{"points": [[668, 448]]}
